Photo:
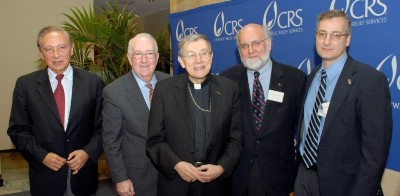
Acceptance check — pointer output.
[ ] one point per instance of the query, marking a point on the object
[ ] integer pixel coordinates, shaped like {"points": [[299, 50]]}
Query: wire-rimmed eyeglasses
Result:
{"points": [[253, 44], [205, 54], [139, 55], [335, 36]]}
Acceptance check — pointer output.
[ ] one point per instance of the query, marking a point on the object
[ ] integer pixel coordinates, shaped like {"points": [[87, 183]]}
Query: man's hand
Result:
{"points": [[209, 172], [125, 188], [187, 171], [76, 160], [53, 161]]}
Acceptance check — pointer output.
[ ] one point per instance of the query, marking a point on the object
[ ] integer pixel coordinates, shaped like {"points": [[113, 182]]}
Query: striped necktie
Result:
{"points": [[148, 85], [258, 102], [311, 143]]}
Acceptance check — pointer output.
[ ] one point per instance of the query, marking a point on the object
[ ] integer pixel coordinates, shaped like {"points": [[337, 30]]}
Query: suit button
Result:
{"points": [[251, 161], [257, 141]]}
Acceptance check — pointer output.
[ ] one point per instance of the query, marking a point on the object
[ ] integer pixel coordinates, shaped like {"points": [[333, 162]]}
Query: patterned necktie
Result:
{"points": [[148, 85], [311, 143], [258, 102], [60, 97]]}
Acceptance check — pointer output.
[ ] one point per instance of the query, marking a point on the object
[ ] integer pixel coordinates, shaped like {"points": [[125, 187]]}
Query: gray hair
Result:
{"points": [[142, 35], [190, 39], [50, 29], [266, 30]]}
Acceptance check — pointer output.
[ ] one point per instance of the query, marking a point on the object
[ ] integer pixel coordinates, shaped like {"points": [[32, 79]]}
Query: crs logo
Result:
{"points": [[392, 66], [359, 9], [181, 31], [284, 19], [230, 27], [305, 66]]}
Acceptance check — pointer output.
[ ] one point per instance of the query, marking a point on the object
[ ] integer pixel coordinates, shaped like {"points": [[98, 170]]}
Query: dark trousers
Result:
{"points": [[306, 183], [256, 186]]}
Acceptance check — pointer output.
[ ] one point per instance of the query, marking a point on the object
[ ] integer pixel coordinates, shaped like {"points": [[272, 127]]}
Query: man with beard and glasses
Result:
{"points": [[272, 94]]}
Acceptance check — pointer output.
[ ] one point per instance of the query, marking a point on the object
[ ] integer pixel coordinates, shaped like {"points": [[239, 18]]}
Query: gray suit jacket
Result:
{"points": [[125, 132]]}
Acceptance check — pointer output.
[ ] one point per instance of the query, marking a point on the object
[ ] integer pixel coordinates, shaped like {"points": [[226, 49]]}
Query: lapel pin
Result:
{"points": [[279, 84], [218, 93], [349, 81]]}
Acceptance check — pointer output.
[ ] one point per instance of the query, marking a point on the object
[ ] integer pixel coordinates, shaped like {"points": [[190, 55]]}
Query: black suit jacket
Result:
{"points": [[171, 133], [357, 132], [35, 129], [274, 147]]}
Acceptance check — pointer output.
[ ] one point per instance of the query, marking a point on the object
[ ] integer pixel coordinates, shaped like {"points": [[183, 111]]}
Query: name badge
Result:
{"points": [[323, 109], [275, 96]]}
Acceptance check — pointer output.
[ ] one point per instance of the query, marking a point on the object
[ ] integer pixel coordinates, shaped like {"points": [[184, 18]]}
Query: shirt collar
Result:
{"points": [[67, 73], [142, 83], [335, 69]]}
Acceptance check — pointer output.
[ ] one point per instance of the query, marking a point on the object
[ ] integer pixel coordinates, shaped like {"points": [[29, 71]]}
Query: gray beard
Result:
{"points": [[255, 64]]}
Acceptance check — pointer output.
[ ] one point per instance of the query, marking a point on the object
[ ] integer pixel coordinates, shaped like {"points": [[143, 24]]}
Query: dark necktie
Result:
{"points": [[60, 97], [311, 143], [148, 85], [258, 102]]}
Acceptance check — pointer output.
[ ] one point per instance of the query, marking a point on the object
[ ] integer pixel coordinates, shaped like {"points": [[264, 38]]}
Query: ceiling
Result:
{"points": [[139, 7]]}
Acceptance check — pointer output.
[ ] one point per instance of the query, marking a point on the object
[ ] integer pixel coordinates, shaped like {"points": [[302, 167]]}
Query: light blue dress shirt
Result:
{"points": [[265, 78], [333, 73]]}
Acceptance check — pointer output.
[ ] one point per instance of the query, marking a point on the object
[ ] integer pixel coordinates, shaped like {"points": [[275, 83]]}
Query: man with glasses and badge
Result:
{"points": [[126, 108], [271, 101], [195, 126], [346, 125]]}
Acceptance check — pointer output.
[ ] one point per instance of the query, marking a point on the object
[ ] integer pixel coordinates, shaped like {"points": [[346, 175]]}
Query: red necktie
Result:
{"points": [[60, 97], [148, 85]]}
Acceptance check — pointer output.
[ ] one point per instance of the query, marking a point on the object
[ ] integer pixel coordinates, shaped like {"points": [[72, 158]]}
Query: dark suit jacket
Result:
{"points": [[171, 134], [35, 129], [357, 132], [274, 147], [125, 125]]}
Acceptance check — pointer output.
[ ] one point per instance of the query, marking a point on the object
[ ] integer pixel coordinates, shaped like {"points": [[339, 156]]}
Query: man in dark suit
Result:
{"points": [[266, 166], [346, 125], [195, 127], [58, 134], [125, 120]]}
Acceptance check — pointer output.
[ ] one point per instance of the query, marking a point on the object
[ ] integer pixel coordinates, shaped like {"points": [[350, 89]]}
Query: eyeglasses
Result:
{"points": [[192, 55], [253, 44], [139, 55], [333, 36]]}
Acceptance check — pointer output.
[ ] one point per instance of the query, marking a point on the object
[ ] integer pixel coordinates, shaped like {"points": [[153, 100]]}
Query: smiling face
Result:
{"points": [[143, 57], [56, 50], [196, 58], [331, 50]]}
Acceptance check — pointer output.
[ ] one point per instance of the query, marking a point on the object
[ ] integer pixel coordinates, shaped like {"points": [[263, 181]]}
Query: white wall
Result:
{"points": [[20, 22]]}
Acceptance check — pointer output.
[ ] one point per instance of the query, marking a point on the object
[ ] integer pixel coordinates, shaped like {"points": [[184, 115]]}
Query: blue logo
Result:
{"points": [[182, 31]]}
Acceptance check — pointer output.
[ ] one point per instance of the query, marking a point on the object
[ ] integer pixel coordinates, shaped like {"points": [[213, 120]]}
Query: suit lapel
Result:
{"points": [[135, 97], [216, 102], [276, 84], [182, 102], [300, 126], [246, 99], [339, 94], [44, 89]]}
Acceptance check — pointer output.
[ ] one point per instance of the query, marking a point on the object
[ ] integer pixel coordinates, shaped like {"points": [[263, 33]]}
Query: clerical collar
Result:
{"points": [[199, 86]]}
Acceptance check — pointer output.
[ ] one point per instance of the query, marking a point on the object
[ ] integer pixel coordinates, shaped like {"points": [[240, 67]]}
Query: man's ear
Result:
{"points": [[181, 62]]}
